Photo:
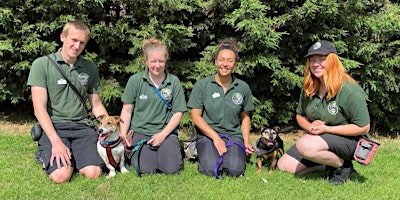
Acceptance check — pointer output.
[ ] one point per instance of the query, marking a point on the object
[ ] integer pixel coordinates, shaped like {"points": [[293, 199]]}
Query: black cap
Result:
{"points": [[322, 47]]}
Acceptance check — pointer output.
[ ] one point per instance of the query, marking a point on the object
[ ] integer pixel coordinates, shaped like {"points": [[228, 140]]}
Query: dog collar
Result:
{"points": [[110, 144]]}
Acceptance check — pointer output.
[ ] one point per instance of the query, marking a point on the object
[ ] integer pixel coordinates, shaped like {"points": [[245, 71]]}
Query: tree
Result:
{"points": [[273, 37]]}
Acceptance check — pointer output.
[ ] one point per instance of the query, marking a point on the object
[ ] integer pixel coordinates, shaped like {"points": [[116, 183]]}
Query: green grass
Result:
{"points": [[22, 178]]}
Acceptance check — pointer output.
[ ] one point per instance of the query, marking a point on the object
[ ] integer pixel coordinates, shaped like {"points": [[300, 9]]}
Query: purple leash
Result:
{"points": [[221, 158]]}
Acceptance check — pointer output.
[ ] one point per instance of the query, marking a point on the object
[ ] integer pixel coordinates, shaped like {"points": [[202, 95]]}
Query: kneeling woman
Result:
{"points": [[333, 110], [145, 112], [220, 104]]}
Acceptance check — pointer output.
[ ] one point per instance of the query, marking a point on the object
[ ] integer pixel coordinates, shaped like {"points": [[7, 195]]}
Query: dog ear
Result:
{"points": [[100, 117], [262, 129], [277, 129], [118, 119]]}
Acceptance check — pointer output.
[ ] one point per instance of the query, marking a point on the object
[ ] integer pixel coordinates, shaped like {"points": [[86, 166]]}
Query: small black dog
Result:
{"points": [[268, 146]]}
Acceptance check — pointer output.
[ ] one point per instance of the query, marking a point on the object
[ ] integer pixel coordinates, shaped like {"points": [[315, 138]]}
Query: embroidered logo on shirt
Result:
{"points": [[83, 78], [143, 96], [333, 108], [166, 93], [215, 95], [237, 98]]}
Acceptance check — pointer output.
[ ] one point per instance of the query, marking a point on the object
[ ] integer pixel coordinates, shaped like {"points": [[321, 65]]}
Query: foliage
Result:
{"points": [[273, 37]]}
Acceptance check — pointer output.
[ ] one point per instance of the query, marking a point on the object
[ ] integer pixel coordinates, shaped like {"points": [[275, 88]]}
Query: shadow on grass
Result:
{"points": [[355, 177]]}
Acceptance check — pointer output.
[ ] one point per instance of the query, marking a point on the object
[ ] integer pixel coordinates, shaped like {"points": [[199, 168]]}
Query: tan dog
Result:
{"points": [[267, 147], [110, 146]]}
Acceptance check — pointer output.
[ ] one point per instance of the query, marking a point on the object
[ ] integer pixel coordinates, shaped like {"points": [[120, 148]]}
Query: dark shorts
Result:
{"points": [[234, 162], [81, 139], [342, 146], [167, 158]]}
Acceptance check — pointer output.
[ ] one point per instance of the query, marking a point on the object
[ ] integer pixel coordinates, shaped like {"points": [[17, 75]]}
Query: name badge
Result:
{"points": [[62, 82], [216, 95]]}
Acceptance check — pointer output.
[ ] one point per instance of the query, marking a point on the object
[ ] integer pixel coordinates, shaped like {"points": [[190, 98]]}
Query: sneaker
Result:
{"points": [[340, 175]]}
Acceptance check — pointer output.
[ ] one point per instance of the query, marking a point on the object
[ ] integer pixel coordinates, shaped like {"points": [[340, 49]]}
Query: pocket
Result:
{"points": [[36, 132]]}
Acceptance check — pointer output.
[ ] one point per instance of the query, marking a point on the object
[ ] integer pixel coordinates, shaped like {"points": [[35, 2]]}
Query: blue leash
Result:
{"points": [[137, 148], [221, 158], [169, 106]]}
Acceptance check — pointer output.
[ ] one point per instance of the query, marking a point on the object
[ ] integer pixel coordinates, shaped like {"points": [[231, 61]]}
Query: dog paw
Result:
{"points": [[110, 175], [259, 171], [124, 170]]}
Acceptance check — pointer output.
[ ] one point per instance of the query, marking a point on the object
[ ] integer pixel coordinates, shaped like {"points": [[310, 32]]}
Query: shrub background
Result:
{"points": [[273, 37]]}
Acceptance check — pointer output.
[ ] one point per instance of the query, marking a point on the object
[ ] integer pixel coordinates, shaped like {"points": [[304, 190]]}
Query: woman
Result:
{"points": [[333, 110], [220, 104], [147, 115]]}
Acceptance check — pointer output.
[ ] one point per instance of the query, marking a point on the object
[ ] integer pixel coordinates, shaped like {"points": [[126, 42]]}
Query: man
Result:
{"points": [[70, 140]]}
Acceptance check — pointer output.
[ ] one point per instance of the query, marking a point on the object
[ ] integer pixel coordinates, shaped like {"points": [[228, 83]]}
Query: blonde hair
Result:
{"points": [[154, 44], [77, 25], [335, 75]]}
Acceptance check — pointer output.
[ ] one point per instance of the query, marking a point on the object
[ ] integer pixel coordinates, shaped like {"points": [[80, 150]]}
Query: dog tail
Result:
{"points": [[287, 129]]}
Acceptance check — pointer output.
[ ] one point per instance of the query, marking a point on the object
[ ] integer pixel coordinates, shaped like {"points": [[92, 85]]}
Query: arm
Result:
{"points": [[318, 127], [126, 115], [58, 151], [245, 126], [158, 138], [207, 130], [97, 107]]}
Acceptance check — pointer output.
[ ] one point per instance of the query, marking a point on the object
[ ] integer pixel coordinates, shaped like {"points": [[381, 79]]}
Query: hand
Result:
{"points": [[319, 129], [316, 127], [249, 149], [157, 139], [220, 146], [61, 153]]}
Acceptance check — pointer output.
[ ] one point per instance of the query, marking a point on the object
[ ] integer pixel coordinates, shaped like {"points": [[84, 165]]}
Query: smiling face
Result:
{"points": [[225, 62], [73, 43], [156, 61], [317, 64]]}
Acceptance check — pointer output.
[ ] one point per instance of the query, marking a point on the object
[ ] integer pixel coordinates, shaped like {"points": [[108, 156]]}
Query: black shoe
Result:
{"points": [[340, 175]]}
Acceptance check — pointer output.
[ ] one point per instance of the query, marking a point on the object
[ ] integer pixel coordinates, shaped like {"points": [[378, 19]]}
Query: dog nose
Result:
{"points": [[100, 130]]}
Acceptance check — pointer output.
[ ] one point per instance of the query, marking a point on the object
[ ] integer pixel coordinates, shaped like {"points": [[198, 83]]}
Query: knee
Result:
{"points": [[61, 176], [304, 148], [172, 170], [234, 172], [91, 172], [284, 164]]}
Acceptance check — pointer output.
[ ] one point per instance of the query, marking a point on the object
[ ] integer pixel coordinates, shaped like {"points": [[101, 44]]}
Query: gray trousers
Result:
{"points": [[234, 161], [167, 158]]}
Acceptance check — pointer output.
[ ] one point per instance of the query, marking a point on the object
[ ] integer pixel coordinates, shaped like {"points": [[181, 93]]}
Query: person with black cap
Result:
{"points": [[333, 110]]}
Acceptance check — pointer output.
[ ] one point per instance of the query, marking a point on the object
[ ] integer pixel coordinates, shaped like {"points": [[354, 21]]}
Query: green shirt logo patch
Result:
{"points": [[237, 98], [166, 93], [83, 78], [333, 108]]}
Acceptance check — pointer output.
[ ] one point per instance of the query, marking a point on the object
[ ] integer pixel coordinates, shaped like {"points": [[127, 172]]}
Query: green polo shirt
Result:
{"points": [[150, 114], [347, 107], [63, 103], [221, 111]]}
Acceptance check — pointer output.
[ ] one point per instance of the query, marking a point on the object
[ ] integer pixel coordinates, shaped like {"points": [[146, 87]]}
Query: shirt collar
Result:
{"points": [[167, 80]]}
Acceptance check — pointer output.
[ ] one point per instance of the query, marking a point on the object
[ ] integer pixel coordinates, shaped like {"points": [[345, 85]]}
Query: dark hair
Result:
{"points": [[228, 43]]}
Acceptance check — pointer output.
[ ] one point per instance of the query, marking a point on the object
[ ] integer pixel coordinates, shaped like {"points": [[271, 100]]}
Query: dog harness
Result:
{"points": [[137, 148], [221, 158], [108, 145], [264, 149]]}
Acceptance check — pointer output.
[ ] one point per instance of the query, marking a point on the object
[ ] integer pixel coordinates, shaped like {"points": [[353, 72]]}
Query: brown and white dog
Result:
{"points": [[110, 146], [268, 146]]}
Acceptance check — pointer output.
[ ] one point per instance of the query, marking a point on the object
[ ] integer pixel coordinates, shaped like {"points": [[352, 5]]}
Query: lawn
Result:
{"points": [[22, 178]]}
